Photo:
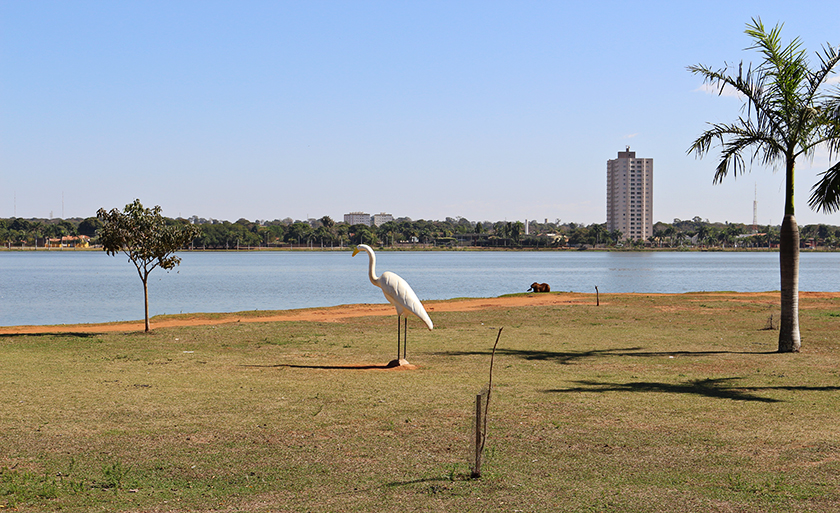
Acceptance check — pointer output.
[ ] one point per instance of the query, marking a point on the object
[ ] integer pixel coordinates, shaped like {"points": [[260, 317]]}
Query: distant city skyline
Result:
{"points": [[343, 218], [754, 203], [268, 110]]}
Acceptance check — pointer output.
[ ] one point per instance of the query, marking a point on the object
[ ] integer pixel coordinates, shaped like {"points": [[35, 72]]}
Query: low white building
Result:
{"points": [[382, 218], [357, 218]]}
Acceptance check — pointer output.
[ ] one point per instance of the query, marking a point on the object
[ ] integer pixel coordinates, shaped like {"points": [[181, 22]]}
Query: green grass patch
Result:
{"points": [[646, 403]]}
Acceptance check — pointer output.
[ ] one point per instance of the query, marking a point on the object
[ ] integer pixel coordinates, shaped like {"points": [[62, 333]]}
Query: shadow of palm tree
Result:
{"points": [[718, 388], [569, 357]]}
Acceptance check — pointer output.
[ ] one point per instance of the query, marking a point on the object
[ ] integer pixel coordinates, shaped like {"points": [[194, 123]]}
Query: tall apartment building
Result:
{"points": [[357, 218], [630, 195]]}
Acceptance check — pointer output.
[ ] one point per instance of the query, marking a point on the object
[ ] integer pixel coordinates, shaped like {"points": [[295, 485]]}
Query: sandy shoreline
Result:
{"points": [[339, 313]]}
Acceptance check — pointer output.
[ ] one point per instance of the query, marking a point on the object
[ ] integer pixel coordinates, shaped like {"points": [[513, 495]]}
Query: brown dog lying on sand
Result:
{"points": [[539, 287]]}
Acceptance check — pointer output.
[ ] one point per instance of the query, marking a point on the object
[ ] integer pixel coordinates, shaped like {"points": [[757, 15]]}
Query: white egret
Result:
{"points": [[399, 293]]}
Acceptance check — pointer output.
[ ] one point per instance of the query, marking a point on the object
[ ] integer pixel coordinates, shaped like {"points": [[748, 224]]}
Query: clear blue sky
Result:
{"points": [[486, 110]]}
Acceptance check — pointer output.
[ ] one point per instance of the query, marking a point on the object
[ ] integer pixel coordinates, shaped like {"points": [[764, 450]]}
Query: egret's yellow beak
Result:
{"points": [[356, 251]]}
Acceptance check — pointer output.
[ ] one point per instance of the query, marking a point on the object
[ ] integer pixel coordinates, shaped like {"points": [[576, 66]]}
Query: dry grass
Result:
{"points": [[646, 403]]}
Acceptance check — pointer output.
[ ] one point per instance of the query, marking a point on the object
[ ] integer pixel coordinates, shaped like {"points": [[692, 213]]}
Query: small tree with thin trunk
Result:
{"points": [[146, 238]]}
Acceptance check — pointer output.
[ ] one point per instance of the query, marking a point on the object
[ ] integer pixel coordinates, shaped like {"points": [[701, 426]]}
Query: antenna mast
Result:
{"points": [[755, 211]]}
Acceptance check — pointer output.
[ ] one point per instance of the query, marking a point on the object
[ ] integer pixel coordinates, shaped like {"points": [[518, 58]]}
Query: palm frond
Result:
{"points": [[828, 119], [825, 194], [734, 139], [788, 110], [814, 104], [777, 59], [828, 59]]}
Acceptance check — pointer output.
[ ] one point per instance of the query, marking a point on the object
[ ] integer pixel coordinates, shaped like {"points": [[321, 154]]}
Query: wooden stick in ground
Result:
{"points": [[476, 472], [481, 432], [490, 387]]}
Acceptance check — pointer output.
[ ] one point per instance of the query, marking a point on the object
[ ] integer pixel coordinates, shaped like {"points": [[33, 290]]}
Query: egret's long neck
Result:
{"points": [[372, 268]]}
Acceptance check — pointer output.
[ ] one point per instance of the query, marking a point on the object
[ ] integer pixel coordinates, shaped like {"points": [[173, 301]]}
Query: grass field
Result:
{"points": [[670, 403]]}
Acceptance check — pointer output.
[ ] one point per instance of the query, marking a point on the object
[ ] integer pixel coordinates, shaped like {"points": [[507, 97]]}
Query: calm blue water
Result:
{"points": [[63, 287]]}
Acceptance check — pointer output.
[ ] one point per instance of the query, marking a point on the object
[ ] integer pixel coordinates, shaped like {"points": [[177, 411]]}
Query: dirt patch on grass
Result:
{"points": [[342, 312], [329, 314]]}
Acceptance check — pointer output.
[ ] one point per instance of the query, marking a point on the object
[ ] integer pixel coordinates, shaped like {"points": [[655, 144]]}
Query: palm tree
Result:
{"points": [[788, 112], [515, 230], [597, 231], [327, 222], [702, 234], [669, 233], [500, 230]]}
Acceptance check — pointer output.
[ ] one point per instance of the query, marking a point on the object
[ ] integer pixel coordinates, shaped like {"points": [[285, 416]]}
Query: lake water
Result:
{"points": [[64, 287]]}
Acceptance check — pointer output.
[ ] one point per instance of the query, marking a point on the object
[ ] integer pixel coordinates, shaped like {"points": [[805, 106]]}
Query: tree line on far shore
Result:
{"points": [[403, 232]]}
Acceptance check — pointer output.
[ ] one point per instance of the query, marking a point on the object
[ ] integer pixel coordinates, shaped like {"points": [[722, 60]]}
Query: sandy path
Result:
{"points": [[339, 313], [328, 314]]}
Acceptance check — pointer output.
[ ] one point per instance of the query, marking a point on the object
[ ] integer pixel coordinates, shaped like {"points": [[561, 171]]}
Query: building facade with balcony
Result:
{"points": [[630, 195]]}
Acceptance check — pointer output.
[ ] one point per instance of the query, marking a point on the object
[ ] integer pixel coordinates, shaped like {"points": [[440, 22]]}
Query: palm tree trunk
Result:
{"points": [[789, 341]]}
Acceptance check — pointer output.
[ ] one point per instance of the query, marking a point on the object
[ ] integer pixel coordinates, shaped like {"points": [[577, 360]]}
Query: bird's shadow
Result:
{"points": [[386, 366], [454, 477], [434, 488]]}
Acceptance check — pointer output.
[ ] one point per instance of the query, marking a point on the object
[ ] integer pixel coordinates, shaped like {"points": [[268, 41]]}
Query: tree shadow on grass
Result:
{"points": [[69, 334], [719, 388], [570, 357]]}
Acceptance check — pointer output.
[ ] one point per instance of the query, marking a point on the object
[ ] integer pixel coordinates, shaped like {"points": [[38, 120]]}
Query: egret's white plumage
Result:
{"points": [[397, 291]]}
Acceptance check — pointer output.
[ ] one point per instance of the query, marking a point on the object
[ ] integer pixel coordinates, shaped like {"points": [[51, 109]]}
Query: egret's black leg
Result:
{"points": [[405, 336], [398, 337]]}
